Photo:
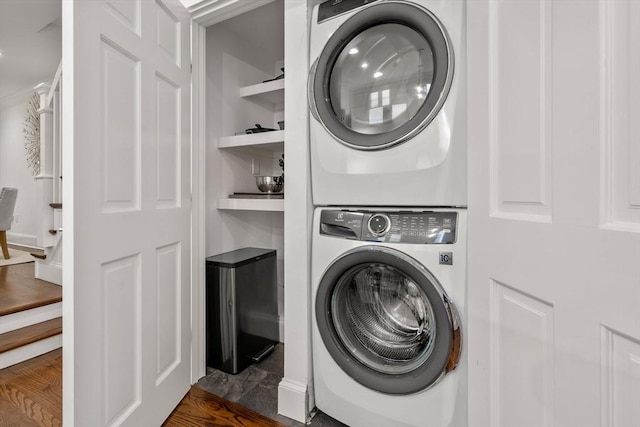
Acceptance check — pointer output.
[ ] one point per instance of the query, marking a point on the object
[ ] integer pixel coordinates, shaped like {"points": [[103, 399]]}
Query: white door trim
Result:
{"points": [[198, 194], [203, 15], [295, 391], [209, 12]]}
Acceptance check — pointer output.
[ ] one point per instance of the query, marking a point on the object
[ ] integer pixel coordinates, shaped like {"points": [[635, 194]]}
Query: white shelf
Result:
{"points": [[270, 140], [272, 92], [269, 205]]}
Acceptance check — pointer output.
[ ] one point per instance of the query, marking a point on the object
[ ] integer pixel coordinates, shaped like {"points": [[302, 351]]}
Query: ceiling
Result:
{"points": [[30, 43]]}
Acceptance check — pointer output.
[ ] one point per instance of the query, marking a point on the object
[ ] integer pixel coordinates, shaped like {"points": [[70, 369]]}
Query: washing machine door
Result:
{"points": [[382, 76], [386, 321]]}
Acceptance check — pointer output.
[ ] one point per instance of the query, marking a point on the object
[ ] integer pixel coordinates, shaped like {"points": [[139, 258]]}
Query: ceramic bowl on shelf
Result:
{"points": [[270, 184]]}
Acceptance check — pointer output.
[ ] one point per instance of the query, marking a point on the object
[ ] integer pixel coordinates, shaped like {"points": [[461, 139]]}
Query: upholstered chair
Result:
{"points": [[8, 198]]}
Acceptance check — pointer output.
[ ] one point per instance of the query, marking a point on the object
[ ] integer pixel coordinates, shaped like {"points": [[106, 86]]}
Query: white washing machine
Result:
{"points": [[388, 324], [387, 94]]}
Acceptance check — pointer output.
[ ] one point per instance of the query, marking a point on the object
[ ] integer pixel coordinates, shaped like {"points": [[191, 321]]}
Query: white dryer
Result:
{"points": [[388, 324], [387, 94]]}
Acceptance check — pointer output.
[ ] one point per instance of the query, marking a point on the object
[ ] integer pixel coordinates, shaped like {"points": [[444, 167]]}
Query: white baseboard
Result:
{"points": [[49, 272], [27, 240], [281, 328], [22, 319], [30, 351], [293, 400]]}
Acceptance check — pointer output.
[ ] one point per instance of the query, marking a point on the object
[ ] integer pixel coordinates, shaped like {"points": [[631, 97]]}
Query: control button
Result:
{"points": [[379, 224], [446, 258]]}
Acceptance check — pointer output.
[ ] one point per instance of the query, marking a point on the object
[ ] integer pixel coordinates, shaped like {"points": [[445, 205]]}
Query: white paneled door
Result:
{"points": [[126, 211], [554, 213]]}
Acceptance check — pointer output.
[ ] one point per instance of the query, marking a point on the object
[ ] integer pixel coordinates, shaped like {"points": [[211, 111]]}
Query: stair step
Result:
{"points": [[22, 319], [30, 334], [20, 291]]}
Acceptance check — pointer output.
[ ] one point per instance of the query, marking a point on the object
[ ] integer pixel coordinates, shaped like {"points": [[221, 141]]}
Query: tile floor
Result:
{"points": [[256, 388]]}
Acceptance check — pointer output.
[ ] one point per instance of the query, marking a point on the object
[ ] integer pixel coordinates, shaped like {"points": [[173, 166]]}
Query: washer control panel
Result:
{"points": [[419, 227]]}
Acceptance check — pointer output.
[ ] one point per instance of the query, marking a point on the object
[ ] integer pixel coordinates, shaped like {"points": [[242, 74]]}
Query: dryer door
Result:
{"points": [[383, 76], [386, 321]]}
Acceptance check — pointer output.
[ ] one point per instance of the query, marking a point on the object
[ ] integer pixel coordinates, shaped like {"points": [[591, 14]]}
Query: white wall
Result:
{"points": [[14, 171]]}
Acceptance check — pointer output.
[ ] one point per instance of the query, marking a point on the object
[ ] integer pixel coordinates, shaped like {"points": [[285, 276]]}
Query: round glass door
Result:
{"points": [[386, 320], [381, 79], [382, 76]]}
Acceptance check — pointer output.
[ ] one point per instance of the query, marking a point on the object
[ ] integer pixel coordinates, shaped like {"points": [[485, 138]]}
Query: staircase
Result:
{"points": [[30, 315], [49, 236], [31, 308]]}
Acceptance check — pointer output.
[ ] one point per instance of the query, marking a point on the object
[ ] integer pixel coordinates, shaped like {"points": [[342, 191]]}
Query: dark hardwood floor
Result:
{"points": [[31, 392]]}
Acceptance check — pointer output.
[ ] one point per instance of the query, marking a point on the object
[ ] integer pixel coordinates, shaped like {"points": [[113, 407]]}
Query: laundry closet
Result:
{"points": [[245, 90], [552, 306]]}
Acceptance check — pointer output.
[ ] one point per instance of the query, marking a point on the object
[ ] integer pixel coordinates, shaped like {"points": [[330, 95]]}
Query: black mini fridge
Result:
{"points": [[241, 308]]}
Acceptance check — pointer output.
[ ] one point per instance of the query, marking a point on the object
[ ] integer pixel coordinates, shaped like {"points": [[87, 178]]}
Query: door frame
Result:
{"points": [[295, 390], [203, 15]]}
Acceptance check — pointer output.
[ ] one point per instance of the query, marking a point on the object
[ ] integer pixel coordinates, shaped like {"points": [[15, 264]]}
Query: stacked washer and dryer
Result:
{"points": [[388, 167]]}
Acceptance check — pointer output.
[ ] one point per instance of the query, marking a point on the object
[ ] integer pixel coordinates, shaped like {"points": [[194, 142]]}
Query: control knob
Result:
{"points": [[379, 224]]}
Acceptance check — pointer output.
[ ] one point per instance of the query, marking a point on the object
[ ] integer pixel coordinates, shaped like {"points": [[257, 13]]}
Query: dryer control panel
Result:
{"points": [[332, 8], [424, 227]]}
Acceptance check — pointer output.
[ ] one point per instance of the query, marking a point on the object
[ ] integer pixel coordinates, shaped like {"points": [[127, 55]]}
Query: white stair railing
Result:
{"points": [[50, 180]]}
